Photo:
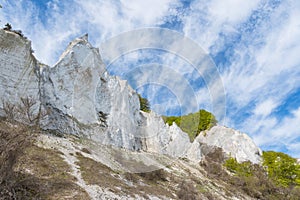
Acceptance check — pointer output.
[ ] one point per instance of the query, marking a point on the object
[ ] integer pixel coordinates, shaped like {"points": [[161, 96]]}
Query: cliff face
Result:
{"points": [[84, 99], [81, 98], [19, 75]]}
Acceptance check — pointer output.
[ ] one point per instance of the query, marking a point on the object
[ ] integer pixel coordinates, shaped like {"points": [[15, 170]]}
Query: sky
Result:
{"points": [[249, 74]]}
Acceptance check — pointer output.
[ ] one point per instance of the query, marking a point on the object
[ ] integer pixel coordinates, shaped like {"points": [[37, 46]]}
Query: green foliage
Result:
{"points": [[241, 169], [193, 123], [282, 168], [144, 104]]}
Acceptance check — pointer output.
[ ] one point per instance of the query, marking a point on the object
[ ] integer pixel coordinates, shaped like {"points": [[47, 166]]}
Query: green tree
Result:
{"points": [[193, 123], [144, 104], [282, 168]]}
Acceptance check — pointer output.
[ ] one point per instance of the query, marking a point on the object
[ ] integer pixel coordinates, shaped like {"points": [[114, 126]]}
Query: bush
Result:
{"points": [[154, 176], [28, 111], [144, 104], [187, 191], [241, 169], [17, 132], [8, 27], [260, 181], [14, 139]]}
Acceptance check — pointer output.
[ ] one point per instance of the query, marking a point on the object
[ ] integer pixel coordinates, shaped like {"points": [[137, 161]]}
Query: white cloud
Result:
{"points": [[265, 108], [65, 20], [146, 12], [263, 56], [231, 11], [207, 19], [263, 67], [294, 149], [267, 70], [285, 133]]}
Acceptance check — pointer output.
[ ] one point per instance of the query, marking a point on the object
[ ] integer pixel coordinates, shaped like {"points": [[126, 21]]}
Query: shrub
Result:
{"points": [[7, 27], [259, 182], [28, 111], [241, 169], [154, 176], [144, 104], [14, 140], [187, 191], [131, 177]]}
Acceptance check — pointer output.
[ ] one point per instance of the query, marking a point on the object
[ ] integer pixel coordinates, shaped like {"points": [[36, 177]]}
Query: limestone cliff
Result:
{"points": [[19, 75], [81, 98]]}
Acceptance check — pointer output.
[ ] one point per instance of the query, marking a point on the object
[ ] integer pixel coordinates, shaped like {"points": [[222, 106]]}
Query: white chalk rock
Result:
{"points": [[236, 144]]}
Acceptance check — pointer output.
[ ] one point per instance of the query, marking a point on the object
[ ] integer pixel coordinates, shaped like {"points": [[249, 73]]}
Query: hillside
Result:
{"points": [[53, 166]]}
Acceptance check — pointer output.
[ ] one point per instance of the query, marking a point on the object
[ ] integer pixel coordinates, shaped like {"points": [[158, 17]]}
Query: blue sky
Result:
{"points": [[255, 45]]}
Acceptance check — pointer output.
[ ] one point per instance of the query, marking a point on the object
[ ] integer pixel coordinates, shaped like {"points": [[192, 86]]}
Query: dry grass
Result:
{"points": [[150, 183], [187, 191], [30, 172], [95, 173], [52, 172]]}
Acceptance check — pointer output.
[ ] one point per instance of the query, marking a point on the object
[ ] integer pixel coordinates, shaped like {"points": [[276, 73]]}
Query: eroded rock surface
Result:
{"points": [[81, 98], [19, 75], [233, 143]]}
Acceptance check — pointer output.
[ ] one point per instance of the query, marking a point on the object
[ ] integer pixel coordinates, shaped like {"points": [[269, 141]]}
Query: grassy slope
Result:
{"points": [[40, 173]]}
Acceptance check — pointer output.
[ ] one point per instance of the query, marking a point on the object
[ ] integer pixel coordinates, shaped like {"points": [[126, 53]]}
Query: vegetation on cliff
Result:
{"points": [[144, 104], [193, 123], [282, 168], [277, 178]]}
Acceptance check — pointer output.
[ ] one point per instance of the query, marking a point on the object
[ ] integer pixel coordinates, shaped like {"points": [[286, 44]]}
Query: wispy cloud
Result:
{"points": [[281, 134], [260, 48], [254, 43], [53, 27]]}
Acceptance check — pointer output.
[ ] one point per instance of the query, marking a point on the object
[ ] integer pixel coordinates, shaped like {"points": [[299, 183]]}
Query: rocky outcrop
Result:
{"points": [[70, 85], [162, 138], [81, 98], [84, 99], [234, 143]]}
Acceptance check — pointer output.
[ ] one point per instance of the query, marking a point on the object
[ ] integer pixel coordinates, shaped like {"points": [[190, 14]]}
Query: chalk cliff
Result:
{"points": [[81, 98]]}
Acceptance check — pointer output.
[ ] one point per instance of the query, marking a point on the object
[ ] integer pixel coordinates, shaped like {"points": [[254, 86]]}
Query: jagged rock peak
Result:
{"points": [[81, 47], [70, 86]]}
